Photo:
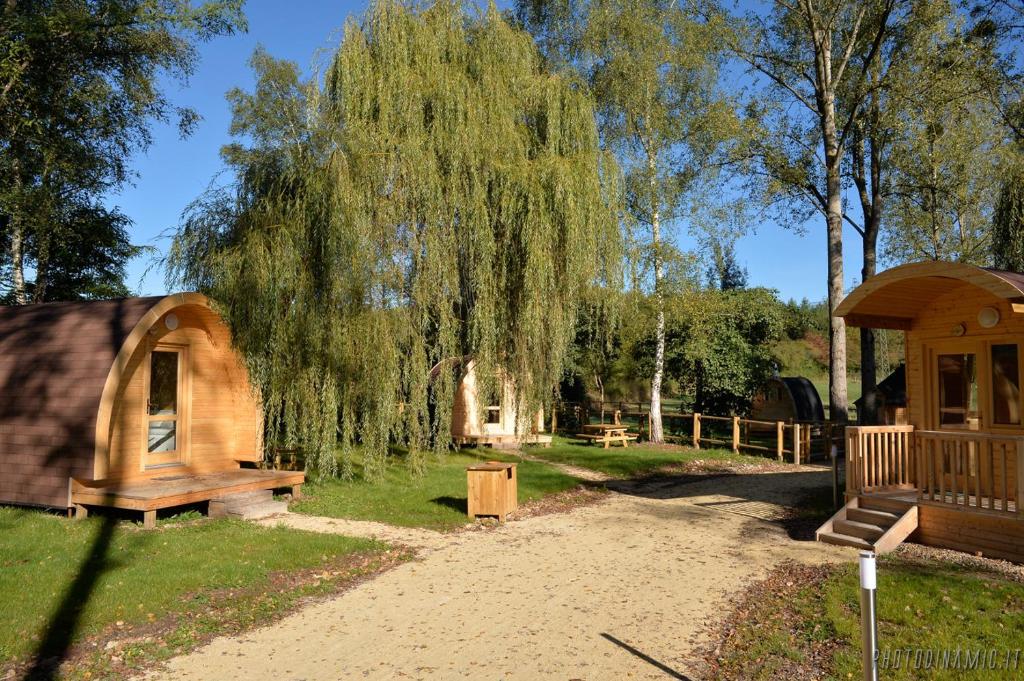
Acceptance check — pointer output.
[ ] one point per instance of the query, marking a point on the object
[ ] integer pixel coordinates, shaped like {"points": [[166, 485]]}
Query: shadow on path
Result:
{"points": [[646, 658]]}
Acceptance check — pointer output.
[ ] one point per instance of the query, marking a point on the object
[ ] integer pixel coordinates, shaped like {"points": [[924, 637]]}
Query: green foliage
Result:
{"points": [[78, 90], [441, 195], [719, 346], [1008, 223], [139, 576]]}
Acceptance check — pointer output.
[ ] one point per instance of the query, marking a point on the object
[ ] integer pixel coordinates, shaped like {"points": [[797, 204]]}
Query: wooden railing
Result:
{"points": [[879, 457], [973, 471]]}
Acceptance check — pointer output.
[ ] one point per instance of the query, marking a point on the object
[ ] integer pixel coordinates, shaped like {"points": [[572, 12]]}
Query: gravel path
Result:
{"points": [[620, 589]]}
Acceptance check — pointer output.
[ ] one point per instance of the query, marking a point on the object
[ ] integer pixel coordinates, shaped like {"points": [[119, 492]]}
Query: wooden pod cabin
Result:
{"points": [[135, 403], [952, 475], [494, 425], [788, 398]]}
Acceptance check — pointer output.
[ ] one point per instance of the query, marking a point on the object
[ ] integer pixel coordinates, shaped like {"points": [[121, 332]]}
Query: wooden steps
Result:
{"points": [[247, 505], [870, 523]]}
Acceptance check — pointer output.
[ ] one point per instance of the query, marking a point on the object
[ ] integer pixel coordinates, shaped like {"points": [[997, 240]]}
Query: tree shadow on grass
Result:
{"points": [[460, 504], [65, 621]]}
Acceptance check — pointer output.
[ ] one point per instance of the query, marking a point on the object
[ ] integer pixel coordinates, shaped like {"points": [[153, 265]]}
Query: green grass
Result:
{"points": [[638, 459], [435, 500], [928, 605], [120, 577]]}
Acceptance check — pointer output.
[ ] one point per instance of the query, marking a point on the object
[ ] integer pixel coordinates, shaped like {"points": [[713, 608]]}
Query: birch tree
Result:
{"points": [[653, 67]]}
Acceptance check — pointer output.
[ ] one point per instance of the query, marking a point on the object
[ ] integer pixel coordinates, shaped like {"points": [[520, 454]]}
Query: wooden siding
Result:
{"points": [[468, 417], [54, 360], [952, 528], [933, 328], [221, 418]]}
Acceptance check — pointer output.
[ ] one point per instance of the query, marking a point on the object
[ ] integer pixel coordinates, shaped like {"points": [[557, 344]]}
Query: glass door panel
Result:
{"points": [[958, 391], [162, 408]]}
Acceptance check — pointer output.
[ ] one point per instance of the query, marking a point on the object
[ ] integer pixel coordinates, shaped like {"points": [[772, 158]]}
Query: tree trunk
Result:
{"points": [[825, 94], [657, 433], [871, 202], [18, 241], [18, 259]]}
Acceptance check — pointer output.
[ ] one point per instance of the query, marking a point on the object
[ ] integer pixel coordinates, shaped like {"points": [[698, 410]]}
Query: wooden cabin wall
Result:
{"points": [[224, 417], [952, 528], [774, 403], [467, 411], [935, 322]]}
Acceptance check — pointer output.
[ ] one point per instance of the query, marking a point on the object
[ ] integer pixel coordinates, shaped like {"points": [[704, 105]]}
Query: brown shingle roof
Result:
{"points": [[54, 361]]}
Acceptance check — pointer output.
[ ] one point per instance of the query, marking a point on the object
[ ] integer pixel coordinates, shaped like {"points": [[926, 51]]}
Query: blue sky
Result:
{"points": [[173, 171]]}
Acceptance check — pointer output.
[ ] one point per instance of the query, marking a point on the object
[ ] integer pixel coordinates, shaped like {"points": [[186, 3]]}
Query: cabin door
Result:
{"points": [[166, 436]]}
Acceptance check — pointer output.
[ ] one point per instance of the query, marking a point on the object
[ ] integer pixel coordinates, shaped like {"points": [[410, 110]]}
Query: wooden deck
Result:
{"points": [[503, 441], [177, 489]]}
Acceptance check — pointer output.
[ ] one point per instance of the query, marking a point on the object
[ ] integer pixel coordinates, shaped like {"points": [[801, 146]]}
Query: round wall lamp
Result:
{"points": [[959, 330], [171, 321], [988, 317]]}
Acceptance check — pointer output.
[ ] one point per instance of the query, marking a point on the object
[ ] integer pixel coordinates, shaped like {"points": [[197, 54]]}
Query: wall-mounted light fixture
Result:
{"points": [[171, 321], [988, 317]]}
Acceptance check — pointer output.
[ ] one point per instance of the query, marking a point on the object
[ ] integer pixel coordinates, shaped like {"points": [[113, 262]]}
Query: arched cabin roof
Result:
{"points": [[806, 400], [60, 366], [892, 299]]}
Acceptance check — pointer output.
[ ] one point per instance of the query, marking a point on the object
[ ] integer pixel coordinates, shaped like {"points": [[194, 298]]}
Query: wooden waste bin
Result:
{"points": [[493, 489]]}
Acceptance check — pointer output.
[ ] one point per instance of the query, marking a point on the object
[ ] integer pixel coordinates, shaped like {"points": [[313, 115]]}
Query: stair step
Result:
{"points": [[236, 504], [258, 511], [855, 528], [879, 503], [845, 540], [883, 519]]}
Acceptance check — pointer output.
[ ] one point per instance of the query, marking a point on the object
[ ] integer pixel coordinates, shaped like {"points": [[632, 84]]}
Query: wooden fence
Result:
{"points": [[796, 441]]}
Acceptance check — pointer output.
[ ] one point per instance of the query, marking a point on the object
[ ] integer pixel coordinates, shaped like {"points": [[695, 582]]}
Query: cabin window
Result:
{"points": [[493, 414], [958, 390], [1005, 385]]}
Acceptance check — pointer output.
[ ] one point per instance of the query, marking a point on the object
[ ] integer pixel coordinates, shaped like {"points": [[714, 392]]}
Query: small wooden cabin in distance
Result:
{"points": [[135, 403], [493, 424], [788, 398], [953, 475]]}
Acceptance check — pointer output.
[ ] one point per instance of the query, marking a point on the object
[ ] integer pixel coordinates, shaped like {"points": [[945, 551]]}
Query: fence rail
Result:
{"points": [[797, 441], [974, 471], [879, 457]]}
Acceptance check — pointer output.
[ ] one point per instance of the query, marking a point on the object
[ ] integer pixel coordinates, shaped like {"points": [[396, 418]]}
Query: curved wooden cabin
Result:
{"points": [[788, 398], [474, 423], [139, 403], [952, 475]]}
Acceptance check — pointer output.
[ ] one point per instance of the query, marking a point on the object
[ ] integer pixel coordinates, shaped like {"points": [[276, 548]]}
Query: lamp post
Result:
{"points": [[868, 616]]}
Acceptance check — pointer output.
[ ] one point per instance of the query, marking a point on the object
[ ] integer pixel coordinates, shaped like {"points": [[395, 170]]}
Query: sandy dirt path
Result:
{"points": [[618, 590]]}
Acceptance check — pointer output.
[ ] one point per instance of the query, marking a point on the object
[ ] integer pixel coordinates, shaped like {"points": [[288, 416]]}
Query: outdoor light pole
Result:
{"points": [[868, 619]]}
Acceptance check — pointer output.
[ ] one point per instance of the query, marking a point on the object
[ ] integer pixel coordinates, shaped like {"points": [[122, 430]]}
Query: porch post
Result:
{"points": [[1020, 476]]}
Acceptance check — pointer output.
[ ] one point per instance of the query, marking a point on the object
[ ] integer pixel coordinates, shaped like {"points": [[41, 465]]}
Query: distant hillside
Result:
{"points": [[808, 356]]}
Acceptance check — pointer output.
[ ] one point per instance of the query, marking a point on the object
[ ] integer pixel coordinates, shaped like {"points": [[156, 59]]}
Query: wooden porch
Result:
{"points": [[177, 489], [962, 489]]}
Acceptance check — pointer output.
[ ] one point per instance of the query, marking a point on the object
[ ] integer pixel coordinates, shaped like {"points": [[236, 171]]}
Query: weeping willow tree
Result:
{"points": [[436, 195]]}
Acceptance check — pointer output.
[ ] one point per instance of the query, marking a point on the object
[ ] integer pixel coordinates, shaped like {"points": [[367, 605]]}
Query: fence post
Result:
{"points": [[780, 439], [796, 443], [696, 430], [736, 434]]}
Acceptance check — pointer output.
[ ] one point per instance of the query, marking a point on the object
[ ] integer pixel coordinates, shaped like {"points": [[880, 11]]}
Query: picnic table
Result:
{"points": [[607, 433]]}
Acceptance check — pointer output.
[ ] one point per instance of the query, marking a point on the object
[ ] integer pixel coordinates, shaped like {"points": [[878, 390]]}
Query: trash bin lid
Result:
{"points": [[490, 466]]}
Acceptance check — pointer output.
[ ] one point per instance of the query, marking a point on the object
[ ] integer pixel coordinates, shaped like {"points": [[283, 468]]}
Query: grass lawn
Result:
{"points": [[637, 459], [62, 581], [922, 603], [436, 500]]}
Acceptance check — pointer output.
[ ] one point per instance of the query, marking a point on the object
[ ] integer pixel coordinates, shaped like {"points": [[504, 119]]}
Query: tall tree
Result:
{"points": [[442, 195], [78, 92], [1008, 223], [811, 54], [653, 66]]}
